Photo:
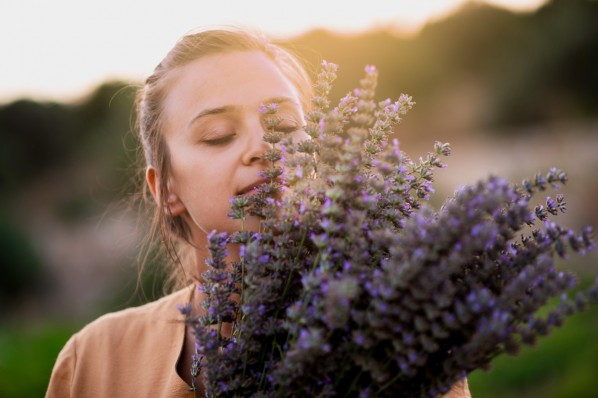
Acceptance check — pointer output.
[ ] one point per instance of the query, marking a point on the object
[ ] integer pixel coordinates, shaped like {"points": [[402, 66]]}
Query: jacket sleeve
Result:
{"points": [[61, 380], [459, 390]]}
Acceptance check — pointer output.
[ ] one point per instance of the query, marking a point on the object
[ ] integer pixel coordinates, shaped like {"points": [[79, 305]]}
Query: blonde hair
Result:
{"points": [[173, 231]]}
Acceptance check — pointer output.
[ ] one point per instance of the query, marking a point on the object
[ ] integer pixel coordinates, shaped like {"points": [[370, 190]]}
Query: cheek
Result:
{"points": [[190, 166], [205, 181], [303, 136], [299, 135]]}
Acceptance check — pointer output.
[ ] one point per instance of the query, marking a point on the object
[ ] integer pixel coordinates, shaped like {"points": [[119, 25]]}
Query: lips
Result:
{"points": [[248, 189]]}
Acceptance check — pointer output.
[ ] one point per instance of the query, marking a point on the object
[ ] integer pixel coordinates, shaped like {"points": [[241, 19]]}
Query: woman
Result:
{"points": [[202, 137]]}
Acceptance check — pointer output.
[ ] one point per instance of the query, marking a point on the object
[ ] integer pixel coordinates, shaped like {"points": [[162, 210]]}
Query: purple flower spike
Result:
{"points": [[354, 285]]}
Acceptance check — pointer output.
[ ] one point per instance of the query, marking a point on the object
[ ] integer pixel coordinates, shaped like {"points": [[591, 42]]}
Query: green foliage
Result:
{"points": [[562, 366], [35, 136], [40, 138], [21, 267], [535, 67], [27, 357], [549, 71]]}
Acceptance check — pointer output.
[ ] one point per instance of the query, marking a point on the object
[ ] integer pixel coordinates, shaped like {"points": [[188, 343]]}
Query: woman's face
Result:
{"points": [[214, 134]]}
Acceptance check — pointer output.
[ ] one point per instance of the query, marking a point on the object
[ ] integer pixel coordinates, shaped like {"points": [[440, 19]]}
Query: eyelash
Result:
{"points": [[289, 129], [290, 126], [220, 140]]}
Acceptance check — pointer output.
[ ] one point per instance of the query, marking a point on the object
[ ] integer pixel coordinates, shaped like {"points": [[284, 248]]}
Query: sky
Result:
{"points": [[58, 50]]}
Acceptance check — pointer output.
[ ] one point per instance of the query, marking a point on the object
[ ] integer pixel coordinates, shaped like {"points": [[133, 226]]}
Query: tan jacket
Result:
{"points": [[133, 353]]}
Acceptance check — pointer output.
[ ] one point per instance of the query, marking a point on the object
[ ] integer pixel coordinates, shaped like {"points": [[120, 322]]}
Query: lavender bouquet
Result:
{"points": [[356, 287]]}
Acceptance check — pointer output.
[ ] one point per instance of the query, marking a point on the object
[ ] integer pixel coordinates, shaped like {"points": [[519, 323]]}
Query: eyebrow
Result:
{"points": [[281, 100], [211, 111], [228, 108]]}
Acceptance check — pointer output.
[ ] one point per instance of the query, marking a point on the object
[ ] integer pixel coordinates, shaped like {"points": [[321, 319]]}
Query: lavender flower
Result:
{"points": [[354, 286]]}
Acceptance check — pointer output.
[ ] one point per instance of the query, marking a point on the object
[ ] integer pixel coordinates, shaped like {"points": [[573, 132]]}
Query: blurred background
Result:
{"points": [[512, 85]]}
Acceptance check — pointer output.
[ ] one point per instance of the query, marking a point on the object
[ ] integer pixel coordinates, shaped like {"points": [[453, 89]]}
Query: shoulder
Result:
{"points": [[164, 307], [139, 343], [132, 322]]}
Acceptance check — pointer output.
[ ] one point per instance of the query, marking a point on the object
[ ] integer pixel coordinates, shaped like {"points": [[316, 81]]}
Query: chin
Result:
{"points": [[252, 223]]}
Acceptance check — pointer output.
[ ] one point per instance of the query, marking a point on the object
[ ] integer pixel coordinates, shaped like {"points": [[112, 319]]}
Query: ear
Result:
{"points": [[175, 205]]}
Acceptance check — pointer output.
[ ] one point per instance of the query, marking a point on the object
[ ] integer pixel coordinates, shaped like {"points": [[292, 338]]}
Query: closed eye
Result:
{"points": [[289, 129], [288, 126], [219, 141]]}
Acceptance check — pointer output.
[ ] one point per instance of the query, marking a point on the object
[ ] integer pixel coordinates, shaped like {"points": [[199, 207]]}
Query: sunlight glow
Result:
{"points": [[59, 49]]}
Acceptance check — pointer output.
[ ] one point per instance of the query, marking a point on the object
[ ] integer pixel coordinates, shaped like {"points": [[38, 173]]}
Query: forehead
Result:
{"points": [[237, 79]]}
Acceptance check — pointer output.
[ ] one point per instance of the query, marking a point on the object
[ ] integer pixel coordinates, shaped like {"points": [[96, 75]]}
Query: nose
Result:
{"points": [[255, 146]]}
